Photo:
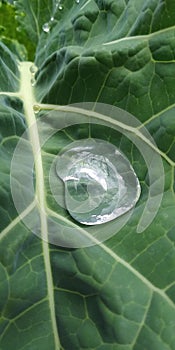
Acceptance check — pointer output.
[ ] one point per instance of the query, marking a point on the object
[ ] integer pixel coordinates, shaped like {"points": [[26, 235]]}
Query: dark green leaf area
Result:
{"points": [[9, 70], [96, 22], [12, 127], [95, 296], [27, 293], [125, 74]]}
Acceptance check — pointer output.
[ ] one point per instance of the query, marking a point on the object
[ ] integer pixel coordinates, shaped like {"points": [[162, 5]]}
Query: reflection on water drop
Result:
{"points": [[52, 19], [100, 183], [60, 7], [46, 27], [19, 29]]}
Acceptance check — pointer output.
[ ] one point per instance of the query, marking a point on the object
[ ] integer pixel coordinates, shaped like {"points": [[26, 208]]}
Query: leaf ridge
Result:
{"points": [[17, 220]]}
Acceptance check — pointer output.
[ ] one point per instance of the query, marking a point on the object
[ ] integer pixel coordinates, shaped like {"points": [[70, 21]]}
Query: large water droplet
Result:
{"points": [[46, 27], [100, 183]]}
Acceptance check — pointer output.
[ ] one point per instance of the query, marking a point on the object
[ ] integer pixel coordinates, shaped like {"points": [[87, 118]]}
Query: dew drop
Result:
{"points": [[52, 19], [33, 69], [60, 7], [36, 109], [100, 183], [46, 27], [19, 29], [77, 1], [33, 81]]}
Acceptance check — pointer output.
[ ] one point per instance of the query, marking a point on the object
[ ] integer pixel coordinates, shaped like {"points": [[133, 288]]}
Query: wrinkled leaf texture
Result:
{"points": [[119, 295]]}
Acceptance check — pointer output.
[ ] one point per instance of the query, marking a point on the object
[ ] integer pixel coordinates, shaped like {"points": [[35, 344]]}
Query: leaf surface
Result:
{"points": [[118, 294]]}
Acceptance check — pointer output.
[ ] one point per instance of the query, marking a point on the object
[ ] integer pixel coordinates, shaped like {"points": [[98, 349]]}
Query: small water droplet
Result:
{"points": [[19, 29], [33, 69], [60, 7], [77, 1], [52, 19], [46, 27], [33, 81], [100, 183], [36, 109], [20, 13]]}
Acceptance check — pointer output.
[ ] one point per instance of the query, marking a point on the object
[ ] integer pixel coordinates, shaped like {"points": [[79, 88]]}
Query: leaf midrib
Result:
{"points": [[26, 93]]}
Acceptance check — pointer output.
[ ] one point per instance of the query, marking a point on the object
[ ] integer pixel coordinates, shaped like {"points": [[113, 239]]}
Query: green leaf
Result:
{"points": [[11, 35], [32, 15], [119, 293]]}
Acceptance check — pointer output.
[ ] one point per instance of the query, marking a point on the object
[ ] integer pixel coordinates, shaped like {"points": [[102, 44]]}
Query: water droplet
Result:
{"points": [[100, 183], [20, 13], [46, 27], [33, 69], [17, 17], [77, 1], [33, 81], [36, 109], [52, 19], [60, 7], [19, 29]]}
